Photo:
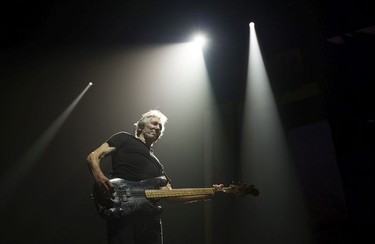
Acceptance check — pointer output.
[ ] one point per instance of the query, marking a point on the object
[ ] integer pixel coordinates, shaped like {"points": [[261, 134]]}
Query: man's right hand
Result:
{"points": [[105, 186]]}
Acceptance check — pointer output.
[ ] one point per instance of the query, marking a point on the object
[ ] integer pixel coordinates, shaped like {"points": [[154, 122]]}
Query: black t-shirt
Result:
{"points": [[133, 160]]}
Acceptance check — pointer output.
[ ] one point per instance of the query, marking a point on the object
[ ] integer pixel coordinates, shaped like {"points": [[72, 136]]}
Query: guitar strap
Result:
{"points": [[160, 165]]}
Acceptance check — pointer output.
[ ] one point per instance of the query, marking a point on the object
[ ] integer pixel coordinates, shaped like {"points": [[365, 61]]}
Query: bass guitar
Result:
{"points": [[130, 196]]}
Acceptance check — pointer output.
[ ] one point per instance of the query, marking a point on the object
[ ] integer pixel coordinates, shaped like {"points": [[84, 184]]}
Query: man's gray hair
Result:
{"points": [[146, 117]]}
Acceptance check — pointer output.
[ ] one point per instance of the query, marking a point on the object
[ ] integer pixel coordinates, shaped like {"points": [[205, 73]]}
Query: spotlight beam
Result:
{"points": [[10, 180], [265, 160]]}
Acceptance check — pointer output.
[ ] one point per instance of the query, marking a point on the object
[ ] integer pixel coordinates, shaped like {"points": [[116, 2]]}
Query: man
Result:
{"points": [[133, 160]]}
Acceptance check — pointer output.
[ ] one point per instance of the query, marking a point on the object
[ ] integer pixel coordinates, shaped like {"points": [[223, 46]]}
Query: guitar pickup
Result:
{"points": [[125, 194], [124, 198], [122, 195], [128, 193]]}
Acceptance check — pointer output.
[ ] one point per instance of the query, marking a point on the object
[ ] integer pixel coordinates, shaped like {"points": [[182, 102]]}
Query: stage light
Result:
{"points": [[251, 24], [200, 40], [90, 84]]}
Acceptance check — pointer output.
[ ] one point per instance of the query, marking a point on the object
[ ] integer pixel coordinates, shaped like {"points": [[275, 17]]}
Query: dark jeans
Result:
{"points": [[136, 228]]}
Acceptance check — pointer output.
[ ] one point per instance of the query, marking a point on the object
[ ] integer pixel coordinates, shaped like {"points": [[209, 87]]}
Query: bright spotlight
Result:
{"points": [[90, 84], [251, 24], [200, 40]]}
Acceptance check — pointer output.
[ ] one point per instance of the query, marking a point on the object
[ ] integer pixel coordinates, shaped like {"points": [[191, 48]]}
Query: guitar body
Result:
{"points": [[129, 196]]}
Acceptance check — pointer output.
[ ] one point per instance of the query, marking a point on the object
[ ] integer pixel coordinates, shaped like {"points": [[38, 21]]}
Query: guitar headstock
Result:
{"points": [[241, 190]]}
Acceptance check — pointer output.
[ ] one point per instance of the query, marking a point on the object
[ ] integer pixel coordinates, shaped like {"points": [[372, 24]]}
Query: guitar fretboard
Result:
{"points": [[179, 192]]}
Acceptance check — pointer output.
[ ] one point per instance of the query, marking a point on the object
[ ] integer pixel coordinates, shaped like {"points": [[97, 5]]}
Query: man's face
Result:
{"points": [[152, 129]]}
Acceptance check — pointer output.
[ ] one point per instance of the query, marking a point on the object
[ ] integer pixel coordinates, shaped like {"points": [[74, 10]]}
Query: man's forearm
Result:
{"points": [[94, 165]]}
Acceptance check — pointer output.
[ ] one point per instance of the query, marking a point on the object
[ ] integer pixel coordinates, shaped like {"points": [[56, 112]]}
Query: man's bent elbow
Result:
{"points": [[89, 158]]}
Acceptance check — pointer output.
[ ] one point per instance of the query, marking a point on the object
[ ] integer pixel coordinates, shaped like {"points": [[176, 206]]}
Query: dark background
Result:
{"points": [[319, 58]]}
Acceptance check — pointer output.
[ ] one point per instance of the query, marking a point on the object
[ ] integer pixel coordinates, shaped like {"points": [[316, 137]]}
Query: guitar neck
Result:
{"points": [[179, 192]]}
